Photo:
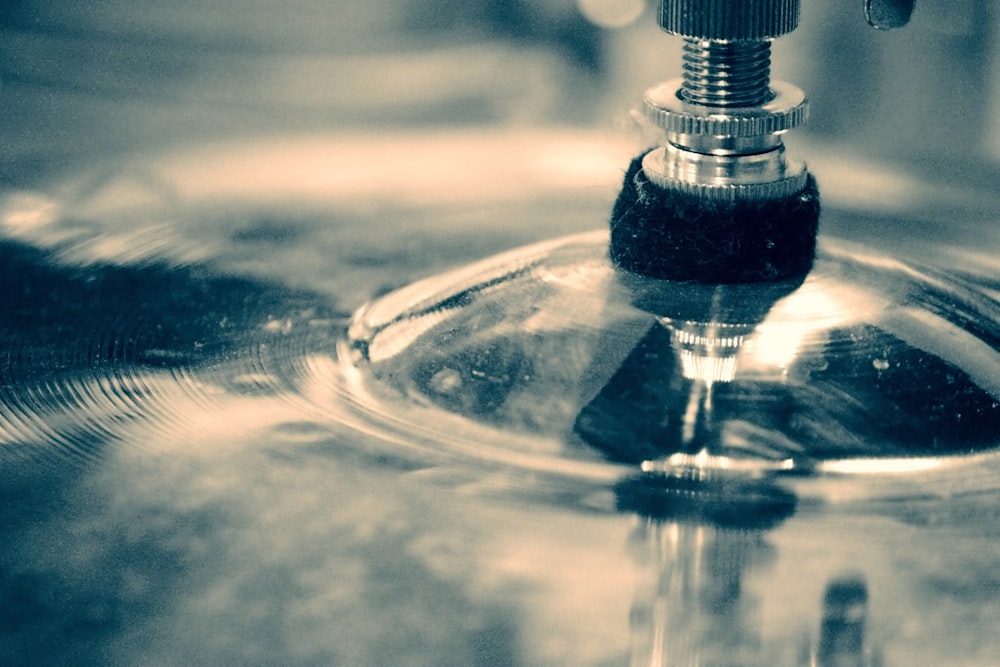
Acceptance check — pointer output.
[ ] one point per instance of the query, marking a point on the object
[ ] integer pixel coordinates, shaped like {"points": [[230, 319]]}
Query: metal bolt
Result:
{"points": [[726, 74], [724, 118]]}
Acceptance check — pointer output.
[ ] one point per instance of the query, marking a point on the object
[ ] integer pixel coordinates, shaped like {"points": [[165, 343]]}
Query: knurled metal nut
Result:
{"points": [[786, 110], [729, 20], [736, 192], [759, 177]]}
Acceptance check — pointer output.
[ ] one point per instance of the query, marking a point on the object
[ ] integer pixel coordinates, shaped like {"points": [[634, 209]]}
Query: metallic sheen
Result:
{"points": [[723, 119], [787, 109], [726, 74], [757, 177], [725, 20]]}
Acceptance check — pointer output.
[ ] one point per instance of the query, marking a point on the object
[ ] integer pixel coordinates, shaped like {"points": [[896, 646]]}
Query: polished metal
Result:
{"points": [[195, 474], [728, 21], [758, 126], [726, 104], [768, 175], [726, 154], [717, 414], [726, 74], [859, 367]]}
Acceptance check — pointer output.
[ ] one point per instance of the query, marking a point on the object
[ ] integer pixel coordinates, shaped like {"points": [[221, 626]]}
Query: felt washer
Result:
{"points": [[672, 234]]}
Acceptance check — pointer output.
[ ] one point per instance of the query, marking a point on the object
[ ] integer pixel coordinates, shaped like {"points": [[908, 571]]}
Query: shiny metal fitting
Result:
{"points": [[726, 178], [726, 20], [724, 119], [786, 109]]}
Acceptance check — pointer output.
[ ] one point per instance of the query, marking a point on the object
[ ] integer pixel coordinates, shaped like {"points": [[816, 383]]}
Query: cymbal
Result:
{"points": [[189, 476]]}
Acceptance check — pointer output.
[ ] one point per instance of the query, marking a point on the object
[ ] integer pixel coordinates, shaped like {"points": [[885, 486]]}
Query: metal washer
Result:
{"points": [[788, 109]]}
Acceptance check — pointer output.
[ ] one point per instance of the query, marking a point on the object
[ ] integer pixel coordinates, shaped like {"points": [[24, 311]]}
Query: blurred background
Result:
{"points": [[481, 100], [86, 79]]}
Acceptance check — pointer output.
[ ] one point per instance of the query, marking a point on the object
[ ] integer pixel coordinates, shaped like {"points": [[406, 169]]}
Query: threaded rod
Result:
{"points": [[727, 74]]}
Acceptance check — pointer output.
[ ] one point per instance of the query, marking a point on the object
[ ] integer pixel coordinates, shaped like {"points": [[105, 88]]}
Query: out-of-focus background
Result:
{"points": [[434, 102], [93, 79]]}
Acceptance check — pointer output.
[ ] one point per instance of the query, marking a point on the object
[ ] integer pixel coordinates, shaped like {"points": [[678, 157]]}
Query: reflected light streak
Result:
{"points": [[880, 466], [811, 308], [23, 210], [417, 168], [778, 345], [397, 337]]}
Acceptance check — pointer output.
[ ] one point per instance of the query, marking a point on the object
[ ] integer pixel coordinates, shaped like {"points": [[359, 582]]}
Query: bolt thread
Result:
{"points": [[726, 74]]}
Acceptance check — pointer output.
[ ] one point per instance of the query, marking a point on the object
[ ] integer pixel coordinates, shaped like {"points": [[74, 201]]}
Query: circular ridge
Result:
{"points": [[788, 109], [726, 74], [782, 178], [504, 392], [726, 20]]}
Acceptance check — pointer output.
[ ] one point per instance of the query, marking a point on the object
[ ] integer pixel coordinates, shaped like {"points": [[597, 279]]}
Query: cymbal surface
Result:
{"points": [[188, 477]]}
